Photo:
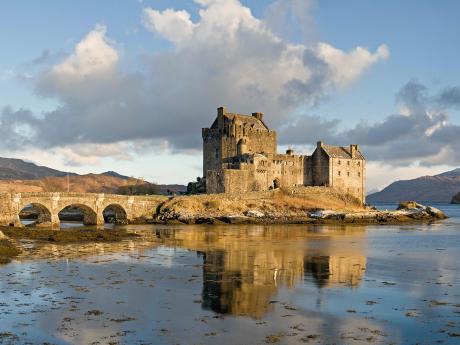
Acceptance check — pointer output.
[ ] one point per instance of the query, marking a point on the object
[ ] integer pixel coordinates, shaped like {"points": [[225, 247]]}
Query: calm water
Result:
{"points": [[241, 285]]}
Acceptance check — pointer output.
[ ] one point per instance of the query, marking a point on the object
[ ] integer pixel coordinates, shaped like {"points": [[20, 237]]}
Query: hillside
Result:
{"points": [[438, 188], [456, 199], [91, 183], [17, 175], [18, 169]]}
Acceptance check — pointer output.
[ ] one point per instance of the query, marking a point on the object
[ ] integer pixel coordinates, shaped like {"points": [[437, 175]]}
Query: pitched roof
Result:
{"points": [[340, 152], [247, 119]]}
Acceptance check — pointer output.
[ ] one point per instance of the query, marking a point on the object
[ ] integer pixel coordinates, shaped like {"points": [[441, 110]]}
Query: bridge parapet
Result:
{"points": [[93, 204]]}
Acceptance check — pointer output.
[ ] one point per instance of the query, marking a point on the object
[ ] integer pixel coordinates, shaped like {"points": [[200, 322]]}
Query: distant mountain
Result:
{"points": [[115, 174], [438, 188], [456, 199], [17, 175], [18, 169]]}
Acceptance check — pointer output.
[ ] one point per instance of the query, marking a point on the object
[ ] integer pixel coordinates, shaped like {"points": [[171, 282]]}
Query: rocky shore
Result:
{"points": [[295, 206]]}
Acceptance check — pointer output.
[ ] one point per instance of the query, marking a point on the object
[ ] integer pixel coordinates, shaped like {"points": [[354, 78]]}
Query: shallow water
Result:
{"points": [[250, 284]]}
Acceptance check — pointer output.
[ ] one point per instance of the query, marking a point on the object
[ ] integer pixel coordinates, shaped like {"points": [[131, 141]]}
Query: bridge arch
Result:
{"points": [[115, 213], [36, 212], [78, 211]]}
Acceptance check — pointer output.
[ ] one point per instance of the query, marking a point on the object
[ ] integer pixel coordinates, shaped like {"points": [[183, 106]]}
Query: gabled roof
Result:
{"points": [[341, 152], [247, 119]]}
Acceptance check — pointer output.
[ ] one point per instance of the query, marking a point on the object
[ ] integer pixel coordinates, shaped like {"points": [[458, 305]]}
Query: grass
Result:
{"points": [[7, 251], [296, 200], [68, 235]]}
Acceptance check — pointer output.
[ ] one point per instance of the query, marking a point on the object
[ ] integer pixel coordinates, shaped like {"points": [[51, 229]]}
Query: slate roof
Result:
{"points": [[247, 119], [340, 152]]}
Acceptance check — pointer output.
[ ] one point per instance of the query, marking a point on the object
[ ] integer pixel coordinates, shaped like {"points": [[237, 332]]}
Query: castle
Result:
{"points": [[240, 155]]}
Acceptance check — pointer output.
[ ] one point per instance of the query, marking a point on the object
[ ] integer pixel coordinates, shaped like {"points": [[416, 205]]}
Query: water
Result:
{"points": [[241, 285]]}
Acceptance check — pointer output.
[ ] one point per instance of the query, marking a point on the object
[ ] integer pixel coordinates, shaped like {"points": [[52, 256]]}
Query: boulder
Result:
{"points": [[254, 214], [434, 212], [321, 214], [407, 205]]}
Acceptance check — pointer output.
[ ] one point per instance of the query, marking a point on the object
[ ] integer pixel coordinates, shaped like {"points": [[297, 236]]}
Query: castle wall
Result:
{"points": [[320, 168], [229, 181], [211, 150], [347, 175]]}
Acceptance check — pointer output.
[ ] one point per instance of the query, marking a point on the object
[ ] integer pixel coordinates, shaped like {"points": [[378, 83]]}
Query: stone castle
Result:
{"points": [[240, 155]]}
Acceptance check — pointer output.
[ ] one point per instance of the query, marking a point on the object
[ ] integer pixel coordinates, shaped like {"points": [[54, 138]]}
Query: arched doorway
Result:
{"points": [[115, 214], [77, 215], [35, 214]]}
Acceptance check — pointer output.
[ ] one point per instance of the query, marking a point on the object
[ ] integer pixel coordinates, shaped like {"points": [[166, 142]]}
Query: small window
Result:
{"points": [[359, 163], [339, 162], [348, 173], [348, 162], [339, 172], [359, 174]]}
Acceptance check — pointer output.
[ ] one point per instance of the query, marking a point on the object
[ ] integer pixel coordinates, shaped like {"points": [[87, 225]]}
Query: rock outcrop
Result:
{"points": [[456, 199]]}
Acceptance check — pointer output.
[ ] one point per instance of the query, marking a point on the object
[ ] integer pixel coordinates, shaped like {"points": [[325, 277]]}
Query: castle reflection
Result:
{"points": [[244, 266]]}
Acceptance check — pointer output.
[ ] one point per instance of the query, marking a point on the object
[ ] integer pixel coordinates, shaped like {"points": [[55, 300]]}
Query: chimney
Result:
{"points": [[221, 110], [354, 150], [319, 144], [258, 116]]}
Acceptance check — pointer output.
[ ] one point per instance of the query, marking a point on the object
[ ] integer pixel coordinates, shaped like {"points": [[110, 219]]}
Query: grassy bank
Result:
{"points": [[280, 202], [7, 251]]}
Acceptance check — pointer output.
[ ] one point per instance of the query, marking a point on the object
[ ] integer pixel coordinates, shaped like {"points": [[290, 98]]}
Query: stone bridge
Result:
{"points": [[93, 205]]}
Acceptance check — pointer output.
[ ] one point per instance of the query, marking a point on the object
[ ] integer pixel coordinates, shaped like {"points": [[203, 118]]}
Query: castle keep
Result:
{"points": [[240, 155]]}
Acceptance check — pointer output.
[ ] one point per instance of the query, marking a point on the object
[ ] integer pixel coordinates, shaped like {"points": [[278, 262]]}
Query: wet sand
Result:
{"points": [[246, 284]]}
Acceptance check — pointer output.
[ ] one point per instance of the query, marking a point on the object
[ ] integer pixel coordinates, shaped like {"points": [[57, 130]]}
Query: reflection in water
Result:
{"points": [[191, 284], [330, 270], [243, 268]]}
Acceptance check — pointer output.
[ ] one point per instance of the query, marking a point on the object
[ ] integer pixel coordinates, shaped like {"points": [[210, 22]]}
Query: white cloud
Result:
{"points": [[175, 26], [346, 67], [94, 55]]}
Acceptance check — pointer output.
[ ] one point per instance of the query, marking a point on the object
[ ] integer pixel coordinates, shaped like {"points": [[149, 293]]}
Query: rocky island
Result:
{"points": [[295, 205], [456, 199]]}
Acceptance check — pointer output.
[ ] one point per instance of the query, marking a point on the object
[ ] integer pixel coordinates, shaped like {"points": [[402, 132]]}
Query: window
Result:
{"points": [[359, 163], [339, 162], [348, 162], [217, 153], [359, 174], [338, 172], [348, 173]]}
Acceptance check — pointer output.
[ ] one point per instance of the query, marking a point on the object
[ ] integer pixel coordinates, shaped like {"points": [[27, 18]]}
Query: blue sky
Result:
{"points": [[423, 50]]}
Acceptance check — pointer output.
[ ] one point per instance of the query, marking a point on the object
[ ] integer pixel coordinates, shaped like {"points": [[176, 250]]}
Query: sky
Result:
{"points": [[91, 86]]}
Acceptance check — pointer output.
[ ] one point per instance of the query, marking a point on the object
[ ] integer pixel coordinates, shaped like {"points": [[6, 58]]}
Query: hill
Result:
{"points": [[17, 175], [456, 199], [437, 188], [11, 168]]}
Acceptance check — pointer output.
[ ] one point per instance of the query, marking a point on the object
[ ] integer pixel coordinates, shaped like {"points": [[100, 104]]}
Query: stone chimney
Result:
{"points": [[258, 116], [354, 150], [319, 144], [221, 111]]}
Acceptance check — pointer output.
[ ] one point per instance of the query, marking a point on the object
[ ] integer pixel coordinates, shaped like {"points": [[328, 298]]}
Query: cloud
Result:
{"points": [[226, 57], [422, 133], [176, 26], [290, 18]]}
